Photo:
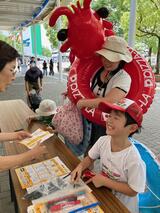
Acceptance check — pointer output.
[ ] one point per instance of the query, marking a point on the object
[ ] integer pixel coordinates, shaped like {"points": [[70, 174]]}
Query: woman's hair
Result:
{"points": [[7, 54], [130, 120]]}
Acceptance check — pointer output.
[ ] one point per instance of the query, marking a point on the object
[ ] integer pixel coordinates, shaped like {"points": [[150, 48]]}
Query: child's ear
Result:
{"points": [[133, 127]]}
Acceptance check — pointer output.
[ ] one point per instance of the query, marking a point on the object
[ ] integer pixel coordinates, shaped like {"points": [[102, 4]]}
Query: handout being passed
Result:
{"points": [[38, 136]]}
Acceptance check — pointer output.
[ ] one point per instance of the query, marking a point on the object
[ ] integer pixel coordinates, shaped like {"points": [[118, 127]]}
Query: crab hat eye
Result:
{"points": [[62, 34], [103, 12]]}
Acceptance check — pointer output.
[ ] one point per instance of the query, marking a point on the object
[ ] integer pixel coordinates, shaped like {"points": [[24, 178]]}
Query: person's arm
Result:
{"points": [[77, 172], [39, 84], [12, 136], [7, 162], [27, 87], [99, 180], [113, 96]]}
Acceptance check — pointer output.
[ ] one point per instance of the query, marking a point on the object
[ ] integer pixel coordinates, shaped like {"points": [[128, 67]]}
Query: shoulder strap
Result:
{"points": [[94, 81]]}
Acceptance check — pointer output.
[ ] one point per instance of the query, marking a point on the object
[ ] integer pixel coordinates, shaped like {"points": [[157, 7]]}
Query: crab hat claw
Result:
{"points": [[59, 12]]}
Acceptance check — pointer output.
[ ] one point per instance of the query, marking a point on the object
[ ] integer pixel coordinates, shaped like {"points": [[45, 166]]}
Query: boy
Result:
{"points": [[122, 168]]}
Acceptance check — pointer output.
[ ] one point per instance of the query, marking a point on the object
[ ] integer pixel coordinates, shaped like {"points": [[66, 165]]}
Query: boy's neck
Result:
{"points": [[119, 143]]}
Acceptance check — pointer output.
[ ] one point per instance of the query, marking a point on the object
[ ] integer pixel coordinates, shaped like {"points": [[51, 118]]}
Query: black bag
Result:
{"points": [[35, 100]]}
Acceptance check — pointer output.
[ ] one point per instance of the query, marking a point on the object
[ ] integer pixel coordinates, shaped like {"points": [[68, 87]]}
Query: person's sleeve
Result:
{"points": [[94, 152], [137, 175], [122, 81]]}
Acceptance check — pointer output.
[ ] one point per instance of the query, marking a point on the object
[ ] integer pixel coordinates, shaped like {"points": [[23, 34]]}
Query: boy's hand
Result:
{"points": [[50, 129], [98, 180], [76, 174], [21, 135], [31, 118]]}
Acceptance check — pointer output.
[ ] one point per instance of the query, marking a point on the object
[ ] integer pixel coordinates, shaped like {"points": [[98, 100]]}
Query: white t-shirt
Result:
{"points": [[124, 166], [120, 80]]}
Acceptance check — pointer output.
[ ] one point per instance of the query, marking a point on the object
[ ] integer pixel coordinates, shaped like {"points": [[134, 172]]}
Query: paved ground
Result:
{"points": [[52, 89]]}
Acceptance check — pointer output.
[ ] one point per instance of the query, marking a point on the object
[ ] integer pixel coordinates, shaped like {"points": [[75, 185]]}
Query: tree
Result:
{"points": [[147, 26], [46, 52], [116, 9]]}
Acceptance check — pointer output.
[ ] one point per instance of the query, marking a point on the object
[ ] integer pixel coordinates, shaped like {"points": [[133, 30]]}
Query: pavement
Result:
{"points": [[52, 88]]}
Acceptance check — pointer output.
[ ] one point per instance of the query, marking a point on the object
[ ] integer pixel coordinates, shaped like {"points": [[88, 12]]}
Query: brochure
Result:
{"points": [[41, 172], [38, 136]]}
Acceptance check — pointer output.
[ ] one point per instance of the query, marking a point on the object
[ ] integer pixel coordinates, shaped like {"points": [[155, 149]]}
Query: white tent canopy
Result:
{"points": [[15, 14]]}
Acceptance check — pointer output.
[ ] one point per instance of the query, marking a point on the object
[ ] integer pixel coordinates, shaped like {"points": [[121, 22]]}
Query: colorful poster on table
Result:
{"points": [[41, 172]]}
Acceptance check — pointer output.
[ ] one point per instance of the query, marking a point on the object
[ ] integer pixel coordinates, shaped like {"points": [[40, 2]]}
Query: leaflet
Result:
{"points": [[41, 172], [38, 136]]}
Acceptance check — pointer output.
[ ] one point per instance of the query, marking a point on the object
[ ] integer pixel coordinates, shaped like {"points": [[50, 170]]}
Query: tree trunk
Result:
{"points": [[158, 57], [149, 55]]}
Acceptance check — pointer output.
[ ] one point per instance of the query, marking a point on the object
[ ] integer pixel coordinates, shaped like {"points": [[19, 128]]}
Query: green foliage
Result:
{"points": [[116, 9], [46, 52], [13, 42], [147, 25]]}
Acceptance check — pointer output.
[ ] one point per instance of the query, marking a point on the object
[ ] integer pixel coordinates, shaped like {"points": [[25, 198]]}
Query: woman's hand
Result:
{"points": [[80, 104], [38, 150], [21, 135], [98, 180]]}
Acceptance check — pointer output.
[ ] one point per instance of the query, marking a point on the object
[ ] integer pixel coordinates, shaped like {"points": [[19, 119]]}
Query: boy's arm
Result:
{"points": [[77, 172], [119, 187], [99, 180]]}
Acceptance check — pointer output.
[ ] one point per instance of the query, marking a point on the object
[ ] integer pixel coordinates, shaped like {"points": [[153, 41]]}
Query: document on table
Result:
{"points": [[41, 172], [38, 136]]}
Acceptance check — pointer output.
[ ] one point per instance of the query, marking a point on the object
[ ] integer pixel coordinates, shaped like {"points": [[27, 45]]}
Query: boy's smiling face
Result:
{"points": [[115, 124]]}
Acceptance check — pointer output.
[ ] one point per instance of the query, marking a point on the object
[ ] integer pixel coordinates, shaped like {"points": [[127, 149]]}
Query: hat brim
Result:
{"points": [[115, 57], [45, 113], [108, 107]]}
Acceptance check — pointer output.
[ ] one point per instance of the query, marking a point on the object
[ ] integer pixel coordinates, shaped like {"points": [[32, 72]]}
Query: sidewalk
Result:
{"points": [[52, 89]]}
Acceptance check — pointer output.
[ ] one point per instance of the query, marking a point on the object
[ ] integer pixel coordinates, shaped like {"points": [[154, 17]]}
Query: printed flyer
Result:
{"points": [[41, 172], [38, 136]]}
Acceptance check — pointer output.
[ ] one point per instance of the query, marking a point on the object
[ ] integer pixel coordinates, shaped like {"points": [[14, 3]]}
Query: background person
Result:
{"points": [[44, 68], [111, 82], [51, 71], [121, 168], [8, 56], [33, 81]]}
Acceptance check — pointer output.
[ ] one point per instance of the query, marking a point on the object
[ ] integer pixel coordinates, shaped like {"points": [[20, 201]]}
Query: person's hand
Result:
{"points": [[39, 90], [31, 118], [21, 135], [76, 174], [38, 150], [98, 180], [64, 94], [80, 104], [50, 129]]}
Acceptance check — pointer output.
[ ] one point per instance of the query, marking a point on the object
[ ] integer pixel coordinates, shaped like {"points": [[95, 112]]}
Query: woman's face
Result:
{"points": [[108, 65], [7, 75]]}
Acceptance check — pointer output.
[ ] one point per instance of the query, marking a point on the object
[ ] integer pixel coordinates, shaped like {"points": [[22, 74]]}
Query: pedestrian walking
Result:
{"points": [[51, 71], [44, 68]]}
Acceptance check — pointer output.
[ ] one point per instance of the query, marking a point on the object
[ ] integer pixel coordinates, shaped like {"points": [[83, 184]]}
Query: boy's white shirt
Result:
{"points": [[124, 166]]}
